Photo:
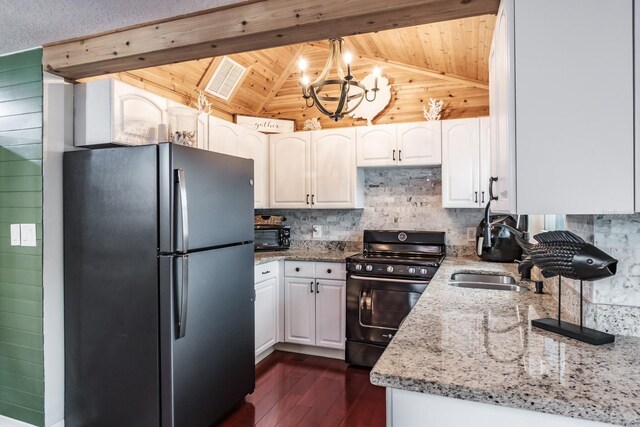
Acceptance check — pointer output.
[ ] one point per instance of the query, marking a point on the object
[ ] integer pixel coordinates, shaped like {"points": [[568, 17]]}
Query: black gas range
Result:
{"points": [[384, 282]]}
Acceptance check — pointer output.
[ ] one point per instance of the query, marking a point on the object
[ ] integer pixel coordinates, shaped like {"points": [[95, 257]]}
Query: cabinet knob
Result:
{"points": [[266, 272], [297, 268], [329, 270]]}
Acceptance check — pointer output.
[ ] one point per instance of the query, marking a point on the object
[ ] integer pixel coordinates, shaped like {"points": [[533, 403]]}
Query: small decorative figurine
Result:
{"points": [[564, 254], [435, 108], [312, 124]]}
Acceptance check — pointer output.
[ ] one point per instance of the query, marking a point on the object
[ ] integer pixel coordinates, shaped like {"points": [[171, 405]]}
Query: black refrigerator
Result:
{"points": [[159, 299]]}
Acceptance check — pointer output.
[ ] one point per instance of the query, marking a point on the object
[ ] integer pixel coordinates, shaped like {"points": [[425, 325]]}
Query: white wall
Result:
{"points": [[58, 137]]}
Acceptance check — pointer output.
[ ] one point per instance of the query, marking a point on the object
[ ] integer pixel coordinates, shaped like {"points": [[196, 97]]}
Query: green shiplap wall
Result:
{"points": [[21, 338]]}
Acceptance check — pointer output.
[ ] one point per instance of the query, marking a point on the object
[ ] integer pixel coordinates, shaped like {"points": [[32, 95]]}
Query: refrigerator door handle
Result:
{"points": [[184, 213], [184, 305]]}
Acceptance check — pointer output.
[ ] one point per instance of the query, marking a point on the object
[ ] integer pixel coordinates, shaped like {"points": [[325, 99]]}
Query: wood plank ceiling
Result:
{"points": [[447, 60]]}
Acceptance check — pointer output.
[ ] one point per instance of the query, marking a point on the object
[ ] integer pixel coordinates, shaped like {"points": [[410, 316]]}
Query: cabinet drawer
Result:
{"points": [[299, 269], [331, 270], [265, 271]]}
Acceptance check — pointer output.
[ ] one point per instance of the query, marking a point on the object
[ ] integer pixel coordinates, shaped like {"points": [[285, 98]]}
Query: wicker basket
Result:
{"points": [[269, 219]]}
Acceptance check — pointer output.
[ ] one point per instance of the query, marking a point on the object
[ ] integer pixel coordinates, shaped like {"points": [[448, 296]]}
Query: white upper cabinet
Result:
{"points": [[465, 162], [485, 159], [419, 144], [112, 112], [255, 145], [203, 131], [315, 170], [376, 145], [571, 156], [234, 140], [461, 163], [334, 180], [407, 144], [290, 169], [224, 136]]}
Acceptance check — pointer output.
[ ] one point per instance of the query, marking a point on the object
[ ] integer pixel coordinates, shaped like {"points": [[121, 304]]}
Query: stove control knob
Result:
{"points": [[369, 267], [358, 267], [412, 270], [423, 271], [390, 269]]}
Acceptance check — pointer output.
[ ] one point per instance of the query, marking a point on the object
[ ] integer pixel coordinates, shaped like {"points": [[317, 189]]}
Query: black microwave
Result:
{"points": [[269, 237]]}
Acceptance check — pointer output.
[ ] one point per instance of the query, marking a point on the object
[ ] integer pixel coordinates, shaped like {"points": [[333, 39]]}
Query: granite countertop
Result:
{"points": [[302, 255], [478, 345]]}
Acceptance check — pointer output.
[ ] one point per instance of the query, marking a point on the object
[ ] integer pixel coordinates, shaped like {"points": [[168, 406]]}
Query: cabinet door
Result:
{"points": [[203, 131], [330, 313], [289, 171], [136, 115], [419, 143], [224, 137], [376, 145], [255, 145], [485, 159], [460, 163], [266, 318], [300, 311], [333, 165], [502, 108]]}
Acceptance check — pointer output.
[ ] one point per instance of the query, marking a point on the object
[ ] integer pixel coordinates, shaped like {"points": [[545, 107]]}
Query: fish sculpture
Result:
{"points": [[562, 253]]}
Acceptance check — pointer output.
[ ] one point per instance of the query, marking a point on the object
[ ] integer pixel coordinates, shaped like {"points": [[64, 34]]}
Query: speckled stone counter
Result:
{"points": [[479, 345], [302, 255]]}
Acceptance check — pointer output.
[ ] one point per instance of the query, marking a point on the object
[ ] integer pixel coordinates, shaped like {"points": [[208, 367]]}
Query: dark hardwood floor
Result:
{"points": [[299, 390]]}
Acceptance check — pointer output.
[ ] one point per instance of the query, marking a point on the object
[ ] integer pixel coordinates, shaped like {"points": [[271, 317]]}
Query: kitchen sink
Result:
{"points": [[496, 282]]}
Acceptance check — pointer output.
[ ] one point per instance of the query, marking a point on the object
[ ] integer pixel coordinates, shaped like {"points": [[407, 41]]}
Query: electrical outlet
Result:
{"points": [[317, 231], [471, 234]]}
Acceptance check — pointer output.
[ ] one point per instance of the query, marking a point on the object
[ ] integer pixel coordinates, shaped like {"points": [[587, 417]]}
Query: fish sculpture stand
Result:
{"points": [[564, 254]]}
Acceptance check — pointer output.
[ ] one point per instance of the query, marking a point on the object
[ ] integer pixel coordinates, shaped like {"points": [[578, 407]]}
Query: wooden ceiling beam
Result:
{"points": [[282, 78], [245, 27], [415, 69]]}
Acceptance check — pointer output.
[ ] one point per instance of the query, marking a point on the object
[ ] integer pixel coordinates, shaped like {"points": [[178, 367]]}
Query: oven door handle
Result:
{"points": [[383, 279]]}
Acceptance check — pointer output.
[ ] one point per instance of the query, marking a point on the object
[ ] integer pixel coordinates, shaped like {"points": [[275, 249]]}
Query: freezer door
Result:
{"points": [[211, 359], [206, 199]]}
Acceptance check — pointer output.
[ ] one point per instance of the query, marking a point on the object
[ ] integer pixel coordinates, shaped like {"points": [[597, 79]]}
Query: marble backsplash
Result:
{"points": [[395, 199]]}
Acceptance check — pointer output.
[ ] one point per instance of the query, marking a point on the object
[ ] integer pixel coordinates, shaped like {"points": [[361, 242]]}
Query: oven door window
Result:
{"points": [[385, 308], [266, 238]]}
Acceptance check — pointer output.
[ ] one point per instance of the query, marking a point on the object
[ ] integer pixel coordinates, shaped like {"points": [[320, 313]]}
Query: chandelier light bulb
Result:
{"points": [[302, 64], [347, 57], [305, 81], [376, 72]]}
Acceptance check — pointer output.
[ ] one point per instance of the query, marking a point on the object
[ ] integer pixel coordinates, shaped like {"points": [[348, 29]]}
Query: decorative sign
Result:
{"points": [[369, 110], [266, 125]]}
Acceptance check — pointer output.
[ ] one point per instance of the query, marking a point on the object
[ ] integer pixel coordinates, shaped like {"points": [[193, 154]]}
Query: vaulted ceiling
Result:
{"points": [[447, 60]]}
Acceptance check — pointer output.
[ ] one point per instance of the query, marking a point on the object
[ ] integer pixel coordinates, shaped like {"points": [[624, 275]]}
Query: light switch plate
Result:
{"points": [[317, 231], [28, 234], [15, 234]]}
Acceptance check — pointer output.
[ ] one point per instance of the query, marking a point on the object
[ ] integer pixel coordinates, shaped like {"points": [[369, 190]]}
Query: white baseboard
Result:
{"points": [[310, 350], [10, 422], [263, 355], [58, 424]]}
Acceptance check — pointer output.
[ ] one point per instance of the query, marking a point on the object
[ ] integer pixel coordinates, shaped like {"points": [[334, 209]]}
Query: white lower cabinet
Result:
{"points": [[299, 310], [267, 306], [315, 307], [330, 313]]}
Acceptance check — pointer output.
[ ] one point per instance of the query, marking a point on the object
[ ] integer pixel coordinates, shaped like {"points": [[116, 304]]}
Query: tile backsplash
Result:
{"points": [[395, 199]]}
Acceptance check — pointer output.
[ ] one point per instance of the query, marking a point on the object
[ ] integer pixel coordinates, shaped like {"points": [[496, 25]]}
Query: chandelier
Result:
{"points": [[344, 91]]}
